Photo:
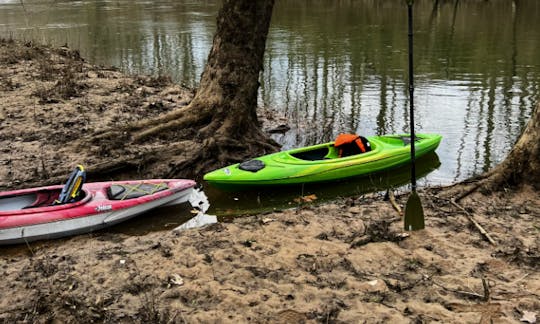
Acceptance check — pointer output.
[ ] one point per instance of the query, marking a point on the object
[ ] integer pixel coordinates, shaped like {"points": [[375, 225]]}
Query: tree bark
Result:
{"points": [[222, 117], [225, 103], [522, 165]]}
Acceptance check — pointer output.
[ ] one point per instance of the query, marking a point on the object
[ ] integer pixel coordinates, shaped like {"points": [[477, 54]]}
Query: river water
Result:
{"points": [[334, 66]]}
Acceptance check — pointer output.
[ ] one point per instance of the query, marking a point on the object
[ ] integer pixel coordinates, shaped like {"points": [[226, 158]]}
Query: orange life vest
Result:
{"points": [[344, 142]]}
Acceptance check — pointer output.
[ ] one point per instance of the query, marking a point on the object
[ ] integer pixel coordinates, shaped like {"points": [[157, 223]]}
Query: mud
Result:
{"points": [[347, 261]]}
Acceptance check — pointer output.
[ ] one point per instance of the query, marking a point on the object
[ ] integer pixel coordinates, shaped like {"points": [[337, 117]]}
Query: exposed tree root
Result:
{"points": [[180, 158], [163, 119], [183, 143], [139, 131], [469, 189], [392, 199], [199, 115], [521, 166], [220, 122]]}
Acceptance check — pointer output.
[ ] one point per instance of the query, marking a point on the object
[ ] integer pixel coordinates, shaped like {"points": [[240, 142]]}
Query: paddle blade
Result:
{"points": [[414, 213]]}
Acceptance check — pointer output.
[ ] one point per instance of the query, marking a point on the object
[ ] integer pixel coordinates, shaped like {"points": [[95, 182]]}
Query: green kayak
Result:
{"points": [[320, 163]]}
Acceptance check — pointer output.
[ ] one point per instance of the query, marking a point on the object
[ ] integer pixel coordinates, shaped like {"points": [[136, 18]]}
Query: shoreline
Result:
{"points": [[343, 261]]}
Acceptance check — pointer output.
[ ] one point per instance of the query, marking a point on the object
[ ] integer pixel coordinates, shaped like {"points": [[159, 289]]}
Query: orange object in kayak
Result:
{"points": [[351, 144]]}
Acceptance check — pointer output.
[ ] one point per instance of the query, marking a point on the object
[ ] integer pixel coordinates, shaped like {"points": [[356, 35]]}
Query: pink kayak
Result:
{"points": [[33, 214]]}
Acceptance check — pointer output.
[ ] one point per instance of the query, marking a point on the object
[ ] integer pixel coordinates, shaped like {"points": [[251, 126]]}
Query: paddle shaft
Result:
{"points": [[413, 219], [411, 94]]}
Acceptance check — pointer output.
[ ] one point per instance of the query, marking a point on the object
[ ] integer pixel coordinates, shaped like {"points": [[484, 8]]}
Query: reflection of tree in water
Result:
{"points": [[340, 73], [466, 57]]}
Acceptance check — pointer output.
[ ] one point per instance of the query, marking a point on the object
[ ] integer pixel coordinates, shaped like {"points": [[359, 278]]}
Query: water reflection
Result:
{"points": [[176, 218], [253, 201], [334, 66], [476, 81], [212, 205]]}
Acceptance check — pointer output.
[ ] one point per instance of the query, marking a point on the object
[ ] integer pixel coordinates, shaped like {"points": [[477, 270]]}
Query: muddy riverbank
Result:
{"points": [[347, 261]]}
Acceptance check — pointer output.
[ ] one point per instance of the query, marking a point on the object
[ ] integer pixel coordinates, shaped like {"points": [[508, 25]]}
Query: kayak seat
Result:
{"points": [[71, 192], [125, 191], [45, 198], [333, 153], [312, 155]]}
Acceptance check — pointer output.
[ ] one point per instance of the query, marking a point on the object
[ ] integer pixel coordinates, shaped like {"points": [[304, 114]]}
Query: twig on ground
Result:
{"points": [[393, 202], [44, 169], [461, 292], [487, 295], [467, 192], [518, 280], [475, 223]]}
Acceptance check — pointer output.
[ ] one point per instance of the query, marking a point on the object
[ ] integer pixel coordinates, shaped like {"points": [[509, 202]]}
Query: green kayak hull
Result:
{"points": [[321, 163]]}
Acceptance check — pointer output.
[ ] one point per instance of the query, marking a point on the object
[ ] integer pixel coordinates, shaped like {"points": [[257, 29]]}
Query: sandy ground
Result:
{"points": [[343, 262]]}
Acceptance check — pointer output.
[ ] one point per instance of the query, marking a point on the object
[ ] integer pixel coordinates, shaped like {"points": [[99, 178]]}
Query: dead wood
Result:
{"points": [[475, 223]]}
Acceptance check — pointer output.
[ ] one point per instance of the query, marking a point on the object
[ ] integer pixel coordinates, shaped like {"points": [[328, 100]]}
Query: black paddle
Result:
{"points": [[414, 213]]}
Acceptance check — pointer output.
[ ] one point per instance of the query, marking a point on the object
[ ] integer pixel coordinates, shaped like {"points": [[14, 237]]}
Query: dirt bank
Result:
{"points": [[344, 262], [52, 97]]}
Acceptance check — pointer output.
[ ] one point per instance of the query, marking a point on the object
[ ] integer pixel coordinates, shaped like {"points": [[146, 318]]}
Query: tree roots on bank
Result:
{"points": [[178, 144]]}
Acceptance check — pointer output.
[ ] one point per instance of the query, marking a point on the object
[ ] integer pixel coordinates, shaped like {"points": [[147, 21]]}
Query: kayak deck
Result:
{"points": [[28, 214], [328, 151], [321, 163]]}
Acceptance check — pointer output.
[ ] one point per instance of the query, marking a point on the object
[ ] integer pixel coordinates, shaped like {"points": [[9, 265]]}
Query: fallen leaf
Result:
{"points": [[403, 235], [177, 280], [307, 199], [529, 317], [373, 282]]}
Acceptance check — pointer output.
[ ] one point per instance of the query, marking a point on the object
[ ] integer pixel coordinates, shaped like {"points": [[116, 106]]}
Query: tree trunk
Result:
{"points": [[221, 119], [522, 165], [226, 101]]}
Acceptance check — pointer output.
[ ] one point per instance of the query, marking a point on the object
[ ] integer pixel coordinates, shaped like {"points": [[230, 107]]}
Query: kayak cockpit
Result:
{"points": [[34, 199], [17, 202], [44, 198], [317, 153], [325, 152]]}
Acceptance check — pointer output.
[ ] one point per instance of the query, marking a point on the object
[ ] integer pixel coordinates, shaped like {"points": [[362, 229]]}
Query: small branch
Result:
{"points": [[461, 292], [241, 292], [475, 223], [393, 202], [468, 192], [487, 295], [45, 173], [518, 280]]}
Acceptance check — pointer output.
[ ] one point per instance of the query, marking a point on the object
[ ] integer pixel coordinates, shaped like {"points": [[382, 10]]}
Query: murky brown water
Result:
{"points": [[339, 65]]}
